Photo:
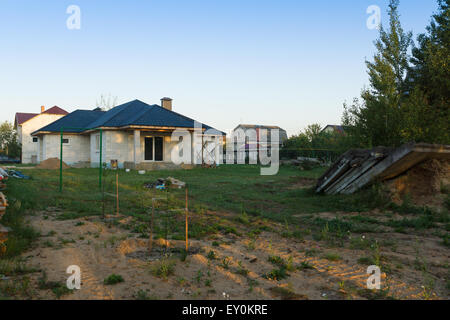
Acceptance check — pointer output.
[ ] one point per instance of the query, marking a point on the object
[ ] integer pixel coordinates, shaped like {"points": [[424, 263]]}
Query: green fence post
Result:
{"points": [[60, 163], [101, 160]]}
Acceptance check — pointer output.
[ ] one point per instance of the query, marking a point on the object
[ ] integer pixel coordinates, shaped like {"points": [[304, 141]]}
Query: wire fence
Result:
{"points": [[326, 155]]}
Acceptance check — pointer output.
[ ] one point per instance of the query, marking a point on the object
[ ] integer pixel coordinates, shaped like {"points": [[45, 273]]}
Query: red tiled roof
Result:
{"points": [[22, 117], [56, 110]]}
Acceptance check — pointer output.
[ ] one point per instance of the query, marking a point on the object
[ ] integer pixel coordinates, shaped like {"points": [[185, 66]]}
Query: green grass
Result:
{"points": [[58, 288], [276, 274], [113, 279], [332, 256], [164, 268], [235, 188]]}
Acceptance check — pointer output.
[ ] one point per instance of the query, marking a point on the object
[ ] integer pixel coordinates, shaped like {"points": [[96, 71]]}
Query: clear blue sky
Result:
{"points": [[286, 63]]}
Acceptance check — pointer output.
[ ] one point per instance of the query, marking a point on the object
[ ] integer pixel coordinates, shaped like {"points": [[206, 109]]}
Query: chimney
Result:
{"points": [[166, 103], [42, 109]]}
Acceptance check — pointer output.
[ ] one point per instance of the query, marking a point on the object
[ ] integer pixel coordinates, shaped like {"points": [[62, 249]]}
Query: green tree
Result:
{"points": [[429, 81], [378, 119], [9, 144]]}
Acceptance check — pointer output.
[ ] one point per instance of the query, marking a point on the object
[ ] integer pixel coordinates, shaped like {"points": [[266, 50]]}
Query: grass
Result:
{"points": [[235, 188], [58, 288], [305, 265], [113, 279], [164, 268], [143, 295], [276, 274], [332, 256], [287, 293], [13, 267]]}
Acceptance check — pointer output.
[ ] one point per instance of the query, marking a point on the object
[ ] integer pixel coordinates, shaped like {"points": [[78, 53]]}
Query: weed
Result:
{"points": [[211, 255], [276, 274], [113, 279], [332, 256], [226, 263], [14, 267], [143, 295], [305, 265], [215, 244], [368, 261], [287, 293], [58, 288], [277, 260], [242, 270], [164, 268], [199, 276], [311, 252]]}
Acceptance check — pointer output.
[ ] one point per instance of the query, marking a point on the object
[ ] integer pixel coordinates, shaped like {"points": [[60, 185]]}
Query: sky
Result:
{"points": [[285, 63]]}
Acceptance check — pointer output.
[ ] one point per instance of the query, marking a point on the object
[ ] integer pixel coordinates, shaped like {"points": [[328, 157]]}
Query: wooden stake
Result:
{"points": [[187, 231], [150, 240]]}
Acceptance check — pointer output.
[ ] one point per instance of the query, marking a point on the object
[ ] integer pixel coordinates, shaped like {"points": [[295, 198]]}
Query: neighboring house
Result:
{"points": [[135, 134], [26, 123], [257, 138], [334, 129]]}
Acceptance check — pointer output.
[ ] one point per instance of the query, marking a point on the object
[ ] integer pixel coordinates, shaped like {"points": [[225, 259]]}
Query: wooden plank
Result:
{"points": [[353, 175], [373, 173], [339, 171]]}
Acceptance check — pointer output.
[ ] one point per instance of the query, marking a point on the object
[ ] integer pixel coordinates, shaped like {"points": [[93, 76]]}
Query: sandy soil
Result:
{"points": [[100, 251]]}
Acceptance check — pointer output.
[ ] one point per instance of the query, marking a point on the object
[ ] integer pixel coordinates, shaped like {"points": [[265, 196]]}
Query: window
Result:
{"points": [[35, 139], [66, 141]]}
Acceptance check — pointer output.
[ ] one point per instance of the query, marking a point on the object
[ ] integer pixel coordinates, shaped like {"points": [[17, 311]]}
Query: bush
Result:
{"points": [[113, 279]]}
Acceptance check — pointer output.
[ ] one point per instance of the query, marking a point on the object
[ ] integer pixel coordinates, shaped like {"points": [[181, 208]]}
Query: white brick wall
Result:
{"points": [[30, 148], [117, 145], [77, 150]]}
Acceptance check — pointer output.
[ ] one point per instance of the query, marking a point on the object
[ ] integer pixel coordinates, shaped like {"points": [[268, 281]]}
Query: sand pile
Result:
{"points": [[425, 183], [51, 164]]}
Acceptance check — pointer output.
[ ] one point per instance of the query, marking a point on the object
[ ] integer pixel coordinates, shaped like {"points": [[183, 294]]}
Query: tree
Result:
{"points": [[106, 102], [9, 144], [378, 119], [429, 79]]}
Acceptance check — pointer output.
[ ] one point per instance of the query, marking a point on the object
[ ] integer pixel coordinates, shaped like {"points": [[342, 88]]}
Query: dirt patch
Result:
{"points": [[52, 164], [422, 183], [219, 267], [302, 183]]}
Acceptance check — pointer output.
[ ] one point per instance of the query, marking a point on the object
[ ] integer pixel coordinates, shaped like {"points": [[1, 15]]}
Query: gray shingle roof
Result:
{"points": [[133, 113]]}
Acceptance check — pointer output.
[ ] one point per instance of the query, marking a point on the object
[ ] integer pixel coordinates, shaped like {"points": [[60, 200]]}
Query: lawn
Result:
{"points": [[230, 188], [299, 239]]}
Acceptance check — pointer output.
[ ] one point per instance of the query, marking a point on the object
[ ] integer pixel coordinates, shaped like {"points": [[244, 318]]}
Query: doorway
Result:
{"points": [[154, 149]]}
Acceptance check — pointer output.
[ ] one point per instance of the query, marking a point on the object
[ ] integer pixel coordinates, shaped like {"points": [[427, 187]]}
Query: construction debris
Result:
{"points": [[18, 175], [356, 169], [52, 164], [3, 230], [162, 184]]}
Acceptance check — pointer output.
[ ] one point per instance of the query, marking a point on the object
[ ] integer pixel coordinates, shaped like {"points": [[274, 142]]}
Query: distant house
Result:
{"points": [[135, 134], [334, 129], [257, 138], [26, 123]]}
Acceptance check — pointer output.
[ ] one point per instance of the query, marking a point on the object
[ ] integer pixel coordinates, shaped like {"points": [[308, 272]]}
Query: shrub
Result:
{"points": [[113, 279]]}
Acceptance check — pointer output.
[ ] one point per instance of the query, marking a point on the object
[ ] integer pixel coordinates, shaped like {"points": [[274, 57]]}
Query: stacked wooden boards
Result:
{"points": [[357, 168]]}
